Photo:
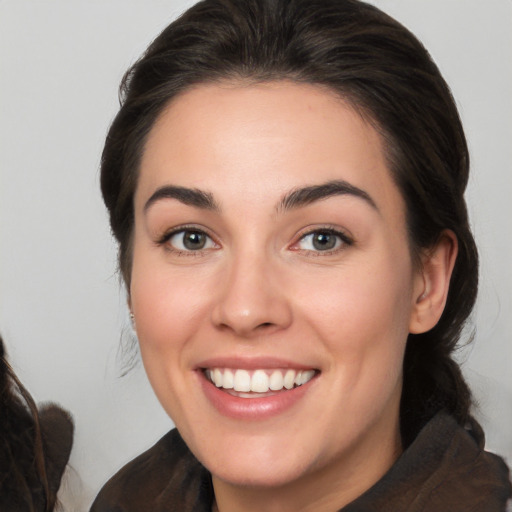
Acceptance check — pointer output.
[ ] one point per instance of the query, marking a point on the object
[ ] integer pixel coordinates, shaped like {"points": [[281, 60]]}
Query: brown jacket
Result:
{"points": [[444, 470]]}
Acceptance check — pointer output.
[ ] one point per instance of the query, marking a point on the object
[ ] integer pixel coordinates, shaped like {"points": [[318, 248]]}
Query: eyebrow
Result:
{"points": [[188, 196], [294, 199], [303, 196]]}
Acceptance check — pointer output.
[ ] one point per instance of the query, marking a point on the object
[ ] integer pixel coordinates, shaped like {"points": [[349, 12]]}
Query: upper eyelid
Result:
{"points": [[164, 241], [167, 234], [342, 233], [346, 242]]}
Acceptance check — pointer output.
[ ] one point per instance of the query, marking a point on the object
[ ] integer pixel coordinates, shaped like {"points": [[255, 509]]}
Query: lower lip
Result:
{"points": [[252, 408]]}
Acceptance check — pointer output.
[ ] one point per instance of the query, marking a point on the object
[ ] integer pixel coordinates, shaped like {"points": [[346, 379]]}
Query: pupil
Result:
{"points": [[194, 240], [324, 241]]}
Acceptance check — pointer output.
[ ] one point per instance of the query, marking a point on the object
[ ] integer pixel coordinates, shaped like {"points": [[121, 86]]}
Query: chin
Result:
{"points": [[248, 473], [256, 460]]}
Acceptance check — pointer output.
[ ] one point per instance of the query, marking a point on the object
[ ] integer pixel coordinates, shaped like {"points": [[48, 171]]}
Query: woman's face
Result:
{"points": [[270, 250]]}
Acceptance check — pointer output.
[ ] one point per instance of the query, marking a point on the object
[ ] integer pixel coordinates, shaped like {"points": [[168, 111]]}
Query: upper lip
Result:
{"points": [[252, 363]]}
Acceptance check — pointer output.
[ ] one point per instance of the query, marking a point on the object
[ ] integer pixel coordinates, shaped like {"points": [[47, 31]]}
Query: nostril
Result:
{"points": [[251, 313]]}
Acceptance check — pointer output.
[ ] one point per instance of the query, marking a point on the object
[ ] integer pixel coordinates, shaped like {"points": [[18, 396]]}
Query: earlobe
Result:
{"points": [[130, 310], [433, 282]]}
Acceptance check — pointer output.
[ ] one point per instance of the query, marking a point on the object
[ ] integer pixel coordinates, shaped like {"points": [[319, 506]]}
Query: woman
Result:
{"points": [[34, 446], [285, 181]]}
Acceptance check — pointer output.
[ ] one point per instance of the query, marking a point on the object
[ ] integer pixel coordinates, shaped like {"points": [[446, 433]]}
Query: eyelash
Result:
{"points": [[164, 240], [343, 241]]}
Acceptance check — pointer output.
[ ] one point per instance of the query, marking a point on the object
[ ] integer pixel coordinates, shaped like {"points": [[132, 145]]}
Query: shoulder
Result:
{"points": [[471, 475], [161, 477], [445, 468], [458, 474], [57, 431]]}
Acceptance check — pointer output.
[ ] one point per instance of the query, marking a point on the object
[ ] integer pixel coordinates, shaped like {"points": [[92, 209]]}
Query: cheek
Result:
{"points": [[168, 308], [361, 305], [165, 299], [362, 316]]}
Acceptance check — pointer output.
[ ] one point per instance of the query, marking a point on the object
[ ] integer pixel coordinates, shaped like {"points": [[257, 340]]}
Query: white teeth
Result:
{"points": [[303, 377], [217, 377], [242, 381], [276, 381], [307, 375], [258, 381], [229, 380], [289, 379]]}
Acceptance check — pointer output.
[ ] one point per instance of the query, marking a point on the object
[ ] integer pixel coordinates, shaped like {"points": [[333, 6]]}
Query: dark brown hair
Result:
{"points": [[34, 446], [376, 65]]}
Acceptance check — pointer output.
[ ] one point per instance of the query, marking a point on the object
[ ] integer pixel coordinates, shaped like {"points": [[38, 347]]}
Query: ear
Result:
{"points": [[432, 283]]}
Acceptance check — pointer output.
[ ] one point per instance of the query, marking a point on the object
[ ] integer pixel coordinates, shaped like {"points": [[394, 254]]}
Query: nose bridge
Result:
{"points": [[250, 298]]}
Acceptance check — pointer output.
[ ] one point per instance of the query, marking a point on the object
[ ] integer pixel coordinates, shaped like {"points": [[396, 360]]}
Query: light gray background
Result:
{"points": [[61, 309]]}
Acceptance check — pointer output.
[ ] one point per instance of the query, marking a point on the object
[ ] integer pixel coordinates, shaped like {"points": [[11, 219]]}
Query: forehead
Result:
{"points": [[261, 140]]}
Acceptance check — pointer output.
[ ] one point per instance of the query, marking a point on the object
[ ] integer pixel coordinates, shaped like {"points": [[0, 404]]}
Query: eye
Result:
{"points": [[187, 240], [323, 240]]}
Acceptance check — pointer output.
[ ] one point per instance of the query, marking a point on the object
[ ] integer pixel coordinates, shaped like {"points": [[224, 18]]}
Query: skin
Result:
{"points": [[259, 288]]}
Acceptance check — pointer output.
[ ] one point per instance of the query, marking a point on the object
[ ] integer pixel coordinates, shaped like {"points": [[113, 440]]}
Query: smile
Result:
{"points": [[251, 384]]}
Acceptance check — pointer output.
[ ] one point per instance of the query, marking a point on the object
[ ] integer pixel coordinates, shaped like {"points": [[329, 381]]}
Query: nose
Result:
{"points": [[252, 299]]}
